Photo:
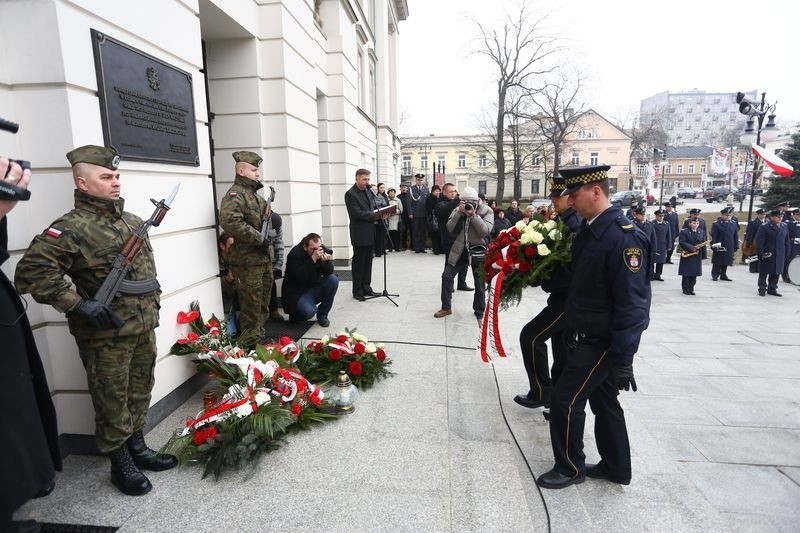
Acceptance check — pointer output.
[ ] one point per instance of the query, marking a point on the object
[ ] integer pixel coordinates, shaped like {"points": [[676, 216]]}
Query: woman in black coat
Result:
{"points": [[691, 266], [29, 453]]}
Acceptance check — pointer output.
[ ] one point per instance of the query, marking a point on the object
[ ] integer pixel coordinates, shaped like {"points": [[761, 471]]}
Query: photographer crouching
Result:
{"points": [[309, 284], [469, 225]]}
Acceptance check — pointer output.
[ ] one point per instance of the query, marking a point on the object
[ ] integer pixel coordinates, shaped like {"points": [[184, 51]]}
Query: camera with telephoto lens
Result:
{"points": [[470, 205], [9, 191], [327, 250]]}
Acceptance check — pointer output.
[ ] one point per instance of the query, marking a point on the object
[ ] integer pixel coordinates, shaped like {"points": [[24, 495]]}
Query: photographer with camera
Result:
{"points": [[469, 224], [309, 284], [30, 455]]}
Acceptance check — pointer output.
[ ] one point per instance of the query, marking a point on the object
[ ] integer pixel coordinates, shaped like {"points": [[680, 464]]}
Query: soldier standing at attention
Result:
{"points": [[671, 218], [773, 248], [724, 243], [241, 214], [119, 362], [607, 309]]}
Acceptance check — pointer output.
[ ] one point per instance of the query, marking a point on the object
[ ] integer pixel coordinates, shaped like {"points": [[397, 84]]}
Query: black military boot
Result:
{"points": [[148, 459], [125, 475]]}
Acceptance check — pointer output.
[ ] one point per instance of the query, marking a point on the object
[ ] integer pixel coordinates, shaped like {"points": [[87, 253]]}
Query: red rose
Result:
{"points": [[354, 368], [283, 341], [530, 251], [297, 409], [359, 348], [335, 355], [318, 347], [202, 435], [342, 338], [514, 232], [512, 250], [507, 268], [380, 355], [524, 267]]}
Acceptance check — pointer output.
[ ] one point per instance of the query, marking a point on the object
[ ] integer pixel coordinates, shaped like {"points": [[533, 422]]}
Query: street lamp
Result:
{"points": [[756, 132]]}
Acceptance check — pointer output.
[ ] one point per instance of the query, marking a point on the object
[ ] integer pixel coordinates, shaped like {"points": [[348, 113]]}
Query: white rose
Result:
{"points": [[534, 223], [371, 347], [550, 224], [537, 238], [543, 250], [527, 237], [554, 234], [325, 340], [520, 225]]}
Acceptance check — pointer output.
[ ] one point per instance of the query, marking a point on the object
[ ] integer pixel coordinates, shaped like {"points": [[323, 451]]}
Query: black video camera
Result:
{"points": [[470, 205], [327, 250], [9, 191]]}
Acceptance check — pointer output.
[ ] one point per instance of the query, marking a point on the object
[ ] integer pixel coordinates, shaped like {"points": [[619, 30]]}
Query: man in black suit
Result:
{"points": [[360, 204]]}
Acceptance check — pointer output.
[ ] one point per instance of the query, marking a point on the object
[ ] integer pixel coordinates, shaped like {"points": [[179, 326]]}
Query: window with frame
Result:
{"points": [[536, 160], [641, 170], [462, 161], [594, 157], [441, 160], [360, 77], [406, 164], [576, 158], [482, 160], [482, 187], [612, 184], [680, 169], [691, 169], [534, 186], [703, 168], [423, 161]]}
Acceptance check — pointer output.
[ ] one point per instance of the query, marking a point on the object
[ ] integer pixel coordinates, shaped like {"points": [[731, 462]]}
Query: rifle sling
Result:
{"points": [[139, 288]]}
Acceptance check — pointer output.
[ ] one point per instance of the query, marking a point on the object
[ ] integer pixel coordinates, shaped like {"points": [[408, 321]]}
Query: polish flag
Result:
{"points": [[781, 167]]}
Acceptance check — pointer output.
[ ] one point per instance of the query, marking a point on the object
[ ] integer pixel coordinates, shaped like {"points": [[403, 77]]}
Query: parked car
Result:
{"points": [[625, 198], [686, 192], [716, 194]]}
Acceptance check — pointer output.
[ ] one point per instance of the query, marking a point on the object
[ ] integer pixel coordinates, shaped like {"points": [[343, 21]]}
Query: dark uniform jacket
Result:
{"points": [[671, 218], [609, 296], [361, 210], [752, 229], [29, 448], [725, 234], [702, 225], [559, 281], [241, 214], [302, 274], [692, 265], [83, 244], [647, 228], [662, 241], [418, 195], [772, 247]]}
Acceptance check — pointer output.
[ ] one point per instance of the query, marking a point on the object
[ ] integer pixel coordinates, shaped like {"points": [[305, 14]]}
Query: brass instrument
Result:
{"points": [[748, 248], [697, 247]]}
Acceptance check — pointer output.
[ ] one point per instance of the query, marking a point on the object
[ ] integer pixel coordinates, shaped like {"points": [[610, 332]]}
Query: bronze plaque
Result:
{"points": [[147, 106]]}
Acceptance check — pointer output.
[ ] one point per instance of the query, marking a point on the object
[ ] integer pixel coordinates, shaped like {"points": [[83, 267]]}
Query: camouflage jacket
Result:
{"points": [[83, 244], [241, 215]]}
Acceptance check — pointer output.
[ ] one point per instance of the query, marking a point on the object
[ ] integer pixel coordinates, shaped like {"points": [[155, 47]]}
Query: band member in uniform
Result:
{"points": [[662, 243], [671, 218], [119, 360], [549, 323], [608, 308], [749, 245], [647, 228], [772, 246], [694, 214], [724, 243], [692, 255]]}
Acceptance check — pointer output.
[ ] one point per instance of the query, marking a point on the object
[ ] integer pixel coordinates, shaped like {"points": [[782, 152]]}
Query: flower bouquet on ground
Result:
{"points": [[259, 398], [365, 362], [202, 336], [522, 255]]}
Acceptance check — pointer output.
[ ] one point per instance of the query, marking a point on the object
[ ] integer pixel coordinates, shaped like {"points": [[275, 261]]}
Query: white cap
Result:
{"points": [[469, 194]]}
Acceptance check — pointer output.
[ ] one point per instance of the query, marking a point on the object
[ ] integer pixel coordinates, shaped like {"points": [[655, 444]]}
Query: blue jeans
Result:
{"points": [[323, 294]]}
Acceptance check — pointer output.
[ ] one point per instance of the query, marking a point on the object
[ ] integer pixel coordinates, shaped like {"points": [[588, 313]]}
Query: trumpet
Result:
{"points": [[697, 247]]}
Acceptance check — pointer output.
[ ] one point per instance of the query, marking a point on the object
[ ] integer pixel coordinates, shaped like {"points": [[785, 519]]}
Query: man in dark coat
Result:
{"points": [[405, 221], [750, 238], [694, 214], [662, 243], [29, 453], [360, 203], [724, 243], [794, 242], [513, 213], [418, 213], [671, 218], [647, 228], [310, 285], [772, 247], [693, 251]]}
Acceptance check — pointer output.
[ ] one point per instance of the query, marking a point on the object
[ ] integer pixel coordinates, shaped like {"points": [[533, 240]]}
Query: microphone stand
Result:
{"points": [[385, 293]]}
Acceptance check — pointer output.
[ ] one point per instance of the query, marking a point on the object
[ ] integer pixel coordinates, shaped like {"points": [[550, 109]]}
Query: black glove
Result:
{"points": [[623, 377], [99, 315], [276, 274], [265, 246]]}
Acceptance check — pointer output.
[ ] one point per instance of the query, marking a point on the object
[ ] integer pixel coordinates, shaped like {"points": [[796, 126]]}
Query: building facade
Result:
{"points": [[308, 84], [469, 160], [695, 118]]}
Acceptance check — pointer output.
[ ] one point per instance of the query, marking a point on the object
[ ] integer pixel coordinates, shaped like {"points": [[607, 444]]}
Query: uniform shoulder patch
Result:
{"points": [[54, 232], [633, 258], [625, 223], [231, 193]]}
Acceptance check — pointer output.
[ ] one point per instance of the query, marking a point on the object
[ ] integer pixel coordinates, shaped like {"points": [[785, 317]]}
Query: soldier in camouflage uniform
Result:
{"points": [[119, 362], [242, 215]]}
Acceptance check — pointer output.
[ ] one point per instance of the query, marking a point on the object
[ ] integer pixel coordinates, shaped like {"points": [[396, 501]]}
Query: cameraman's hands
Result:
{"points": [[14, 175], [464, 210]]}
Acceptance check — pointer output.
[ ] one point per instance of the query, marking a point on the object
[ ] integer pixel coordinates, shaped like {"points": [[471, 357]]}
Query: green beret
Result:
{"points": [[96, 155], [247, 157]]}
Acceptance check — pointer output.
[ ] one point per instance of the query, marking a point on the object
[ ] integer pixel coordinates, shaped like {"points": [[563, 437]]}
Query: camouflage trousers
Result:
{"points": [[253, 285], [120, 374]]}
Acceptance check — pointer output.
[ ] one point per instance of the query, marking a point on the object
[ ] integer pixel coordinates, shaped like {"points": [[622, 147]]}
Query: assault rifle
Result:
{"points": [[115, 282]]}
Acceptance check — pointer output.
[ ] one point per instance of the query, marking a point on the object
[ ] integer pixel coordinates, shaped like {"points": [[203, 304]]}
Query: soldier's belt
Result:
{"points": [[139, 288]]}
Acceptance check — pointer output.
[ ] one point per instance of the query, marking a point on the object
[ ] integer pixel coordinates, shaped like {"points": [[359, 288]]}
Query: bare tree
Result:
{"points": [[519, 52], [646, 133]]}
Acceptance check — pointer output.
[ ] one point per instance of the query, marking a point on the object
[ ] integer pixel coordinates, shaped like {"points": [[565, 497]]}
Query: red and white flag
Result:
{"points": [[778, 165]]}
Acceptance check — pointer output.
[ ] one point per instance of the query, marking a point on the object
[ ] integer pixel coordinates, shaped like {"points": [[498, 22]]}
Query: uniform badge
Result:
{"points": [[632, 258], [231, 194], [53, 232]]}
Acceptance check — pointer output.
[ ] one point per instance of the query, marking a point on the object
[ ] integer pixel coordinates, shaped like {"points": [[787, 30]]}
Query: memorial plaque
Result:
{"points": [[147, 105]]}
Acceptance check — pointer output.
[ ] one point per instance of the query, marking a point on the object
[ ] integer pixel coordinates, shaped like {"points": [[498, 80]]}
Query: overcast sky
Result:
{"points": [[630, 49]]}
